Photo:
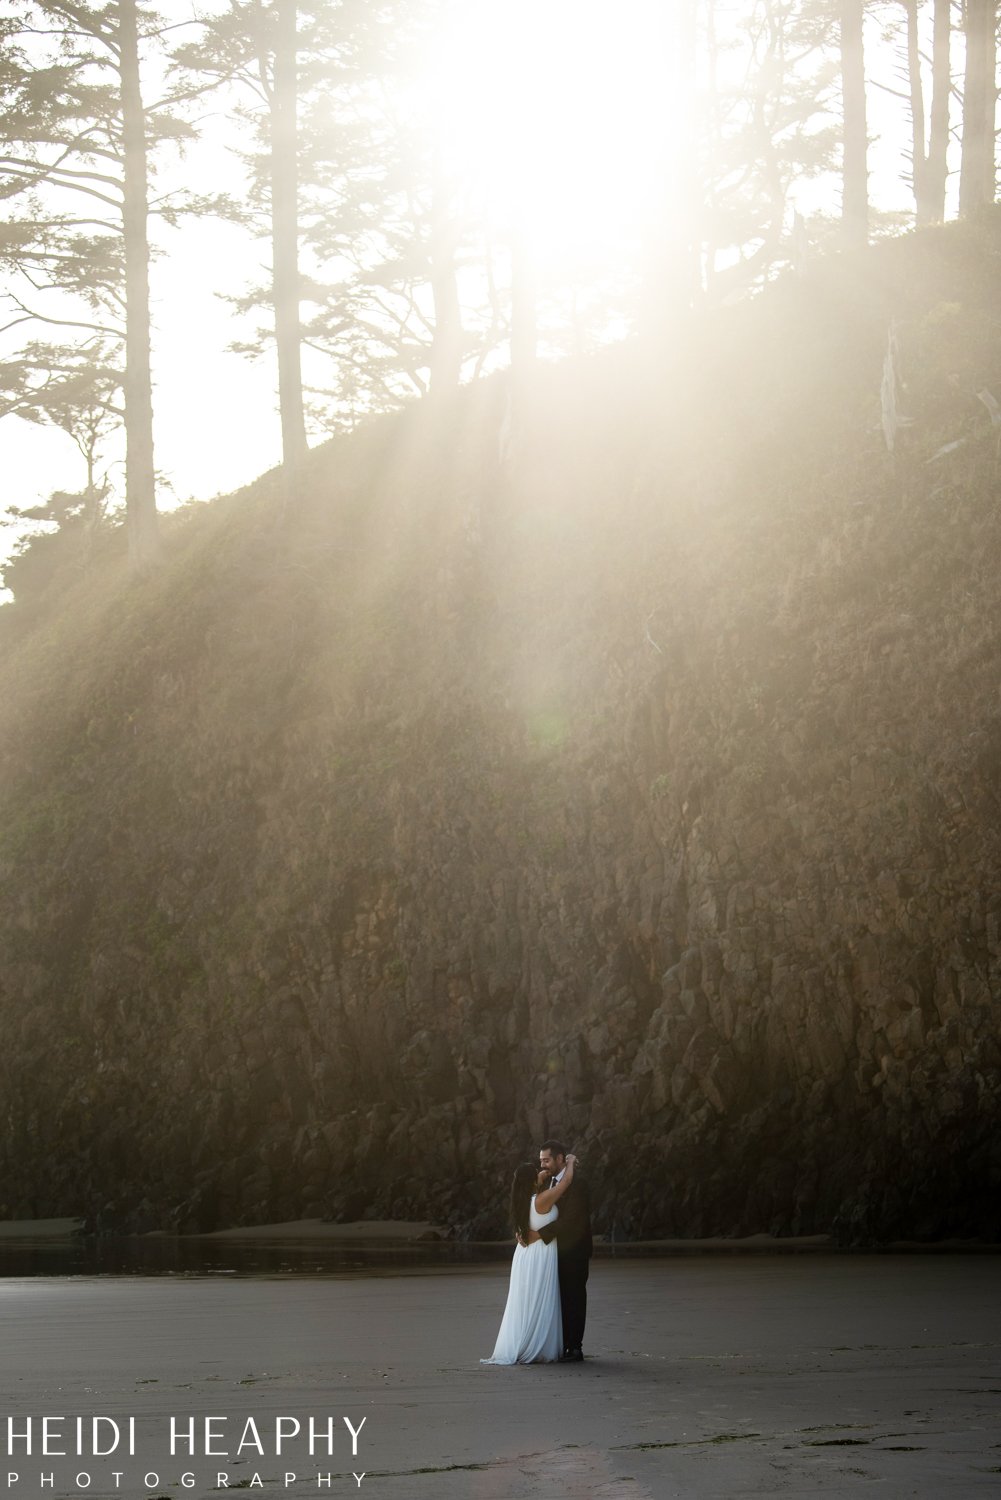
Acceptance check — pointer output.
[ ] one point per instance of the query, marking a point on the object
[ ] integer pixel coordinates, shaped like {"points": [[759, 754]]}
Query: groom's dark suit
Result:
{"points": [[572, 1232]]}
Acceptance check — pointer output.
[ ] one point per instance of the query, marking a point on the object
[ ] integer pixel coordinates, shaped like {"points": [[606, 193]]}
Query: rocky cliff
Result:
{"points": [[631, 774]]}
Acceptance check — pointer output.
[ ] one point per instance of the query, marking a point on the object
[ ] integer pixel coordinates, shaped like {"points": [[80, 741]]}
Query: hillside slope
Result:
{"points": [[639, 785]]}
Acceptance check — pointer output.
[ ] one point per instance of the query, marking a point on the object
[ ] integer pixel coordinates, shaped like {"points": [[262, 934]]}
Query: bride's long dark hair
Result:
{"points": [[522, 1190]]}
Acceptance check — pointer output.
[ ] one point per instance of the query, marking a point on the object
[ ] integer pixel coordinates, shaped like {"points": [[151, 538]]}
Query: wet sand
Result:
{"points": [[714, 1376]]}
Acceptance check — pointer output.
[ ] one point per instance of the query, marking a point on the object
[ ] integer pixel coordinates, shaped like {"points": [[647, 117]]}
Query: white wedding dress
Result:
{"points": [[531, 1328]]}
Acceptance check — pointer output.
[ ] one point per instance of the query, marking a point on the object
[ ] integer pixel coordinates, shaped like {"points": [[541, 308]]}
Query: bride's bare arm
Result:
{"points": [[545, 1200]]}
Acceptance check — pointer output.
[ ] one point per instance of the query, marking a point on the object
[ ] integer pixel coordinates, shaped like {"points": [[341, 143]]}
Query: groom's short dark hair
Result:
{"points": [[554, 1147]]}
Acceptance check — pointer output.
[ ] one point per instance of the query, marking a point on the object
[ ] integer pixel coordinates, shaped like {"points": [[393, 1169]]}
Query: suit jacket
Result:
{"points": [[572, 1229]]}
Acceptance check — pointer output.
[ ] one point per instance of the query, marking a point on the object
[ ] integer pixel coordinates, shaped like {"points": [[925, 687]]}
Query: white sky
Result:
{"points": [[215, 422]]}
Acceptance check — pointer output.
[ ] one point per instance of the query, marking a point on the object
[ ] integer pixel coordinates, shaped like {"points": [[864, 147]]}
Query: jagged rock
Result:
{"points": [[341, 869]]}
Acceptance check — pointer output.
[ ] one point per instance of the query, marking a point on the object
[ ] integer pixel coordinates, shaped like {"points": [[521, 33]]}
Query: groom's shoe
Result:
{"points": [[571, 1356]]}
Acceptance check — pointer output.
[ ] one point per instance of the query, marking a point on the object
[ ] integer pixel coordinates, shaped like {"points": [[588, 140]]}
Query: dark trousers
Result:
{"points": [[574, 1269]]}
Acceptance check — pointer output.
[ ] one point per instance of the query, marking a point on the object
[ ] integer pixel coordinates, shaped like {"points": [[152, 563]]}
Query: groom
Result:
{"points": [[572, 1232]]}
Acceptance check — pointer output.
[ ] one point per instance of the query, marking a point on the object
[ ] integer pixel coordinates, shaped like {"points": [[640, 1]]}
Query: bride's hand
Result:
{"points": [[571, 1160]]}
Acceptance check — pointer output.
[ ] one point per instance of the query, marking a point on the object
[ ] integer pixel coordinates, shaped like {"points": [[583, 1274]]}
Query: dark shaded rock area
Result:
{"points": [[630, 774]]}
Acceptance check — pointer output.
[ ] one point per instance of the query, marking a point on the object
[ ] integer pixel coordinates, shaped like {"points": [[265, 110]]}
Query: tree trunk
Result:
{"points": [[446, 342], [285, 241], [140, 482], [855, 171], [936, 171], [919, 161], [977, 176]]}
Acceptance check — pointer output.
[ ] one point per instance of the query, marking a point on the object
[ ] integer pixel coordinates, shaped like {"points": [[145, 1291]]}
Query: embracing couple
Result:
{"points": [[547, 1296]]}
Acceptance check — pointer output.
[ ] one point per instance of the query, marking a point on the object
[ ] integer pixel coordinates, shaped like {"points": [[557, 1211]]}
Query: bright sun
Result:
{"points": [[559, 110]]}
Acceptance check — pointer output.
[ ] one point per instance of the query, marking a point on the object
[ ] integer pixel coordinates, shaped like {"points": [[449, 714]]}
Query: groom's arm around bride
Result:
{"points": [[572, 1230]]}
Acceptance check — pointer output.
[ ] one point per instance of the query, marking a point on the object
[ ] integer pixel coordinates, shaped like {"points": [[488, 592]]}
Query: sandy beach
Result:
{"points": [[711, 1376]]}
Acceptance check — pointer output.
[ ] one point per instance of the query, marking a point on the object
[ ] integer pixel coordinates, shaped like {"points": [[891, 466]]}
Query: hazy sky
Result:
{"points": [[215, 425]]}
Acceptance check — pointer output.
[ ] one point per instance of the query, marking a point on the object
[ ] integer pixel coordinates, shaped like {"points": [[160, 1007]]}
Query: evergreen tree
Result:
{"points": [[75, 129], [854, 144], [386, 223], [392, 210], [977, 177], [76, 389], [286, 64], [929, 136], [771, 129], [79, 391], [282, 88], [936, 163]]}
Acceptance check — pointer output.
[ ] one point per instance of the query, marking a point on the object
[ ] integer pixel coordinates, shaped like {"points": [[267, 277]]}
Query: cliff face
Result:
{"points": [[638, 783]]}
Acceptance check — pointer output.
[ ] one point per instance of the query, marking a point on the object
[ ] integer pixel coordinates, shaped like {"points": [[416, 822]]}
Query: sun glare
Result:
{"points": [[557, 112]]}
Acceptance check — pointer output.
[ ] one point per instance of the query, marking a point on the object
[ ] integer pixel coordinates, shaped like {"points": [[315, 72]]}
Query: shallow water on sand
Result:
{"points": [[167, 1255], [277, 1253]]}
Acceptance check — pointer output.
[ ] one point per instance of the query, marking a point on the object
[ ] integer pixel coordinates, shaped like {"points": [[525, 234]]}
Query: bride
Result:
{"points": [[531, 1328]]}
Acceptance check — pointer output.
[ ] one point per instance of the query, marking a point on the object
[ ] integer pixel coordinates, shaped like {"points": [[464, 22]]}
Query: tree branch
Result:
{"points": [[45, 169], [185, 95], [37, 317], [32, 180], [887, 90]]}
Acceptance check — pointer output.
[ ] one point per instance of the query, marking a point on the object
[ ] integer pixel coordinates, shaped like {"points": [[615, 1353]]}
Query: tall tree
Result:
{"points": [[391, 214], [277, 54], [855, 141], [283, 93], [772, 129], [381, 214], [256, 45], [929, 143], [140, 475], [977, 178], [936, 166], [75, 129]]}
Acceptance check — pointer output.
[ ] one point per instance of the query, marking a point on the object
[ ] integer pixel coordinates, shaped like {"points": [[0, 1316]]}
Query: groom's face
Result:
{"points": [[551, 1164]]}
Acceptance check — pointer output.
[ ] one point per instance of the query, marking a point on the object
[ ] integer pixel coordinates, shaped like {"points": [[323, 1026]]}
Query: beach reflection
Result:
{"points": [[169, 1255]]}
